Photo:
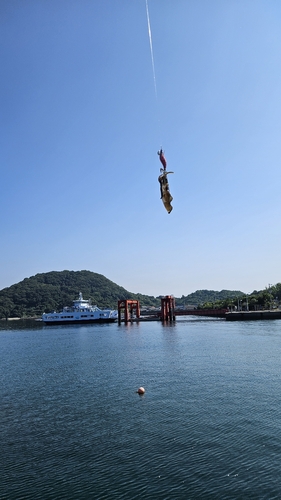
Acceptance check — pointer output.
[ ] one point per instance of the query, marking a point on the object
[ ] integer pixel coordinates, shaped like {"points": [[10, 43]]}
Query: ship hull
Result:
{"points": [[78, 321]]}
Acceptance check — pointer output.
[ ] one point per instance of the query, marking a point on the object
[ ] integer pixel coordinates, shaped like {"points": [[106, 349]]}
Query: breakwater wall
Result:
{"points": [[252, 315]]}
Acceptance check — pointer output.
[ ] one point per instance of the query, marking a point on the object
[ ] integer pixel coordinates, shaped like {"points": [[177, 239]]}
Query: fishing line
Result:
{"points": [[160, 131], [164, 185], [151, 49]]}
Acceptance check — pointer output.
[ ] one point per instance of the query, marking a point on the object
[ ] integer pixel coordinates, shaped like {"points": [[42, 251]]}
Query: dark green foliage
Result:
{"points": [[52, 291], [207, 297], [265, 299]]}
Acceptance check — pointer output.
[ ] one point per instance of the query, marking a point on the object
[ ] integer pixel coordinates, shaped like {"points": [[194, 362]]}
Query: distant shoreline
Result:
{"points": [[35, 318]]}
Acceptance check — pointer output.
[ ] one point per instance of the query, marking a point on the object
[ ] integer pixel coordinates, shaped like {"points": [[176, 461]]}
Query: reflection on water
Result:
{"points": [[20, 324]]}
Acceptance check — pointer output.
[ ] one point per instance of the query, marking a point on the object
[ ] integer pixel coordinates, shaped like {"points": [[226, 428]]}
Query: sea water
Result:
{"points": [[72, 425]]}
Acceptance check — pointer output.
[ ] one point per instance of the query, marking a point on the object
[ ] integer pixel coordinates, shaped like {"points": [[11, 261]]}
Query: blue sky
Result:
{"points": [[81, 125]]}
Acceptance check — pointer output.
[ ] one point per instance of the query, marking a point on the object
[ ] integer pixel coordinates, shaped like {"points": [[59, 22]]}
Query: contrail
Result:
{"points": [[151, 48]]}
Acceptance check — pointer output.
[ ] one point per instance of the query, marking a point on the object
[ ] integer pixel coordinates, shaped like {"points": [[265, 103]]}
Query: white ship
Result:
{"points": [[81, 312]]}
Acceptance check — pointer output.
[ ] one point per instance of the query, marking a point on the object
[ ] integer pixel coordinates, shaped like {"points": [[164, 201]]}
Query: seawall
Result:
{"points": [[252, 315]]}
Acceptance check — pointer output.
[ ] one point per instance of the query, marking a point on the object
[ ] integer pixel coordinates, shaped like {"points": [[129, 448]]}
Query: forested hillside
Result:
{"points": [[52, 291], [269, 298], [203, 296]]}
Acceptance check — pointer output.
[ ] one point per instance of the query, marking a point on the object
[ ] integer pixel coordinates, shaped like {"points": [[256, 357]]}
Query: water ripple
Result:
{"points": [[208, 426]]}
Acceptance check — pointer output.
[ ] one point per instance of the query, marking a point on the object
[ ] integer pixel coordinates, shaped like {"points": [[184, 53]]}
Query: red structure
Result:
{"points": [[168, 308], [128, 307]]}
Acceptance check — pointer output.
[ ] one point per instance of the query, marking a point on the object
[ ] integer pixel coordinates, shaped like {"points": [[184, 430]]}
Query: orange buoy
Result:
{"points": [[141, 390]]}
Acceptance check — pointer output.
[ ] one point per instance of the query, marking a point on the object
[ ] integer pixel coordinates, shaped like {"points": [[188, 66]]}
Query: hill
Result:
{"points": [[56, 289], [52, 291], [203, 296]]}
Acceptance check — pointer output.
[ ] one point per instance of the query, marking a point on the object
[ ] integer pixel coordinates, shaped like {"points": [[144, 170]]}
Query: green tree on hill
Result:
{"points": [[51, 291]]}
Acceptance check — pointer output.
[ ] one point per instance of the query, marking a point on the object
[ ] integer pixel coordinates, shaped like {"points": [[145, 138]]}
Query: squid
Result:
{"points": [[162, 158]]}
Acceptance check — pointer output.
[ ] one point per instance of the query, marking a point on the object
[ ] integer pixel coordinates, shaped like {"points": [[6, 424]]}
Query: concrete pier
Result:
{"points": [[252, 315]]}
